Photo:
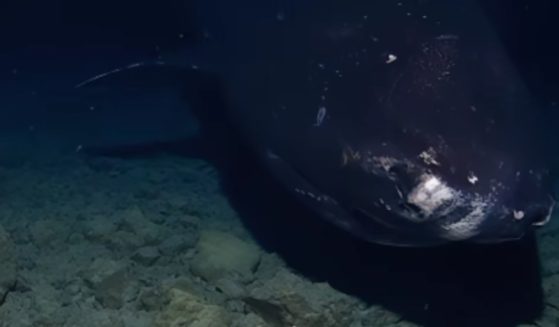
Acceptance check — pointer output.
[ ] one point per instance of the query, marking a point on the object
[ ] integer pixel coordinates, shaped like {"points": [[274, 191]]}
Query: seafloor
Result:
{"points": [[153, 242], [146, 243]]}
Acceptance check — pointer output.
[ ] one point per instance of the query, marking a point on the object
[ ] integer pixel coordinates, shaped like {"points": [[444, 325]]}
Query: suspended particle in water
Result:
{"points": [[320, 115], [391, 58]]}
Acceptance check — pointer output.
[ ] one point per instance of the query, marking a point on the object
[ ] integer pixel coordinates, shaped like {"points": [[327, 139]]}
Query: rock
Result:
{"points": [[195, 287], [75, 238], [47, 307], [71, 292], [232, 288], [109, 280], [146, 255], [188, 222], [8, 270], [134, 221], [548, 318], [185, 309], [550, 287], [220, 255], [155, 298], [99, 229], [250, 319], [20, 235], [98, 318], [150, 299], [124, 241], [176, 244], [136, 319], [287, 299], [46, 232]]}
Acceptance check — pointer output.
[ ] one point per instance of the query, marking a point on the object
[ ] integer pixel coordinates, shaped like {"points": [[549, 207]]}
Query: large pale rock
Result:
{"points": [[220, 255]]}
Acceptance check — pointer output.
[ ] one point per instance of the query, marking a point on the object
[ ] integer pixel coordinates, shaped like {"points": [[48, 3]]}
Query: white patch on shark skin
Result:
{"points": [[376, 165], [431, 194], [385, 163], [472, 178], [429, 156], [400, 194], [314, 196], [518, 215], [468, 226]]}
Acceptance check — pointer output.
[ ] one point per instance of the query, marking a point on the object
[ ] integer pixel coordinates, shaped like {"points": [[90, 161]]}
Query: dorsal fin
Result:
{"points": [[201, 92], [151, 73]]}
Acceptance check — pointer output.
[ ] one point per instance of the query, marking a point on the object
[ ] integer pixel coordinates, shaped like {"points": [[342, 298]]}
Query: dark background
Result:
{"points": [[529, 28], [103, 22], [75, 40]]}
